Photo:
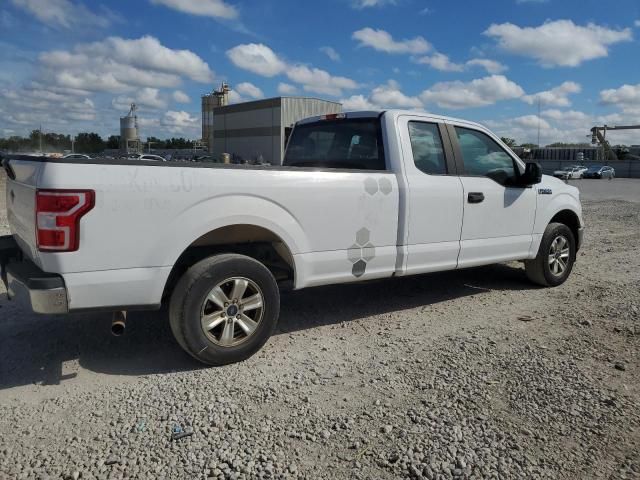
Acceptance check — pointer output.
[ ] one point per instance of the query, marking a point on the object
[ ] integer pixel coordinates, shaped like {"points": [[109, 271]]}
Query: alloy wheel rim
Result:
{"points": [[232, 311], [559, 254]]}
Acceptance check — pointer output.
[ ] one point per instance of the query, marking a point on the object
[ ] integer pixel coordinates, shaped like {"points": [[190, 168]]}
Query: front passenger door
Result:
{"points": [[498, 216]]}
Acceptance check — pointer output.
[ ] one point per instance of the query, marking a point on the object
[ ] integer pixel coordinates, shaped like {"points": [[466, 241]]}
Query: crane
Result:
{"points": [[599, 135]]}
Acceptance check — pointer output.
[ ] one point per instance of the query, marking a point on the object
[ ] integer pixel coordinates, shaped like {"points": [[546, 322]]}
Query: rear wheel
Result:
{"points": [[556, 256], [224, 309]]}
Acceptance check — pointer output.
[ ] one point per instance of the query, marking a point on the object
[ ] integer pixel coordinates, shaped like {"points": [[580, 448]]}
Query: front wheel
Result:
{"points": [[556, 256], [224, 309]]}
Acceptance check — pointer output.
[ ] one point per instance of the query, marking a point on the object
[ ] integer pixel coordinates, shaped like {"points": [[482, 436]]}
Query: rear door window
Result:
{"points": [[426, 144], [341, 143]]}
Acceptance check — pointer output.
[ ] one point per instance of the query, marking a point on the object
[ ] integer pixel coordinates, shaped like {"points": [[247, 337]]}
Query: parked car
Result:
{"points": [[600, 171], [79, 156], [146, 157], [574, 171], [360, 196]]}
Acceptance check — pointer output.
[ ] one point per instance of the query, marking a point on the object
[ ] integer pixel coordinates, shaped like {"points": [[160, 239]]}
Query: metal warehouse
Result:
{"points": [[257, 130]]}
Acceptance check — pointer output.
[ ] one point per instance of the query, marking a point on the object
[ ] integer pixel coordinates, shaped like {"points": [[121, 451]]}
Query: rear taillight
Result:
{"points": [[58, 214]]}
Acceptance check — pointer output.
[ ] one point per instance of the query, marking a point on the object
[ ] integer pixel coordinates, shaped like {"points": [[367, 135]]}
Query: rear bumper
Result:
{"points": [[27, 284]]}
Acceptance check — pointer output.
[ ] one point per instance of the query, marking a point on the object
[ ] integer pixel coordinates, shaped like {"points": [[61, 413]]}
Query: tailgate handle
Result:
{"points": [[475, 197]]}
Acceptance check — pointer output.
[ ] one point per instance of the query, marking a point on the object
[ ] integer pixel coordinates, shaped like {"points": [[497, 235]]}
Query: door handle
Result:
{"points": [[475, 197]]}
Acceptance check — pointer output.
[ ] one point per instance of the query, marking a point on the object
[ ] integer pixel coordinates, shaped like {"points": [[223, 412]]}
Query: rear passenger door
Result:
{"points": [[433, 202], [498, 216]]}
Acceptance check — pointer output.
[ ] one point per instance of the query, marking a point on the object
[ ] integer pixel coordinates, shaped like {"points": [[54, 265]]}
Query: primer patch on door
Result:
{"points": [[361, 252], [382, 185]]}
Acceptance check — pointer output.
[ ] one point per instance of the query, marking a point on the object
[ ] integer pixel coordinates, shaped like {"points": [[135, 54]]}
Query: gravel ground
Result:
{"points": [[469, 374]]}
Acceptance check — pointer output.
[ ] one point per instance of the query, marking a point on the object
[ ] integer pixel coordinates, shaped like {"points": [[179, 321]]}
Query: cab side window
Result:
{"points": [[482, 156], [426, 145]]}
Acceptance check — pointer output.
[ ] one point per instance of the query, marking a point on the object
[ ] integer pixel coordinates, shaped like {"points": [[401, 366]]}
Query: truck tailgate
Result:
{"points": [[20, 201]]}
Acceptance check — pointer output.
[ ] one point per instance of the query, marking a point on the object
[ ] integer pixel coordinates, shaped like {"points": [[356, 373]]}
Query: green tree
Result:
{"points": [[89, 143], [156, 143], [113, 142], [509, 142]]}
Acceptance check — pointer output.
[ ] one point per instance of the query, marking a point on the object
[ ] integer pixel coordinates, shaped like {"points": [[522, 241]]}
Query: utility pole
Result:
{"points": [[40, 137], [538, 121], [73, 144]]}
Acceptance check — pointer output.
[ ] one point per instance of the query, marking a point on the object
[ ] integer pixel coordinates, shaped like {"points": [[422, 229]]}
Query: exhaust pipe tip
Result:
{"points": [[119, 324]]}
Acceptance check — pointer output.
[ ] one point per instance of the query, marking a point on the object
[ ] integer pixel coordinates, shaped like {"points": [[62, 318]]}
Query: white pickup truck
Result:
{"points": [[360, 196]]}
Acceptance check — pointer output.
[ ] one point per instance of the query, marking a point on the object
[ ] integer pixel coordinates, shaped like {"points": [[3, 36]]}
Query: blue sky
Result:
{"points": [[75, 65]]}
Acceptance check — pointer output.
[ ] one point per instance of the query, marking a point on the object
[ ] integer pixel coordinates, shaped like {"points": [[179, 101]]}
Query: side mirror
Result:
{"points": [[532, 174]]}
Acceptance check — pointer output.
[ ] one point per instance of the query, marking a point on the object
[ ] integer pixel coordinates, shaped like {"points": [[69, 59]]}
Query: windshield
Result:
{"points": [[595, 168], [341, 143]]}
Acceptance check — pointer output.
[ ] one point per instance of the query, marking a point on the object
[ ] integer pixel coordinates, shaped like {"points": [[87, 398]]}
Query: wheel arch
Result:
{"points": [[255, 241], [570, 219]]}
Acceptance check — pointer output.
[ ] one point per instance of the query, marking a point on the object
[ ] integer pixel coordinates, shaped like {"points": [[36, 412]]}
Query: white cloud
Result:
{"points": [[147, 52], [331, 53], [116, 65], [531, 121], [149, 98], [390, 96], [260, 59], [637, 23], [558, 96], [441, 62], [181, 122], [287, 89], [624, 96], [566, 116], [250, 90], [559, 42], [180, 97], [319, 81], [357, 102], [491, 66], [39, 105], [257, 58], [62, 13], [383, 41], [204, 8], [476, 93], [360, 4]]}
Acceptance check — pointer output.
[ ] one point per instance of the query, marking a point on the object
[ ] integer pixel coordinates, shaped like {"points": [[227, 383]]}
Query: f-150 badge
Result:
{"points": [[545, 191]]}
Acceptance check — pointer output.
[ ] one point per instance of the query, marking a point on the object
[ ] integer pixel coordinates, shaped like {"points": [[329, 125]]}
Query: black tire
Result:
{"points": [[189, 299], [539, 270]]}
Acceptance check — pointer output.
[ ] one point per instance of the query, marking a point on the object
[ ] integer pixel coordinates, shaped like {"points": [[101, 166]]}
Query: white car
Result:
{"points": [[360, 196], [146, 157], [78, 156], [574, 171]]}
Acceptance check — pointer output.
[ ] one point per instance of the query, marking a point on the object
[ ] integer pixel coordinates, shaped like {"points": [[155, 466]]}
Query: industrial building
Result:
{"points": [[255, 131]]}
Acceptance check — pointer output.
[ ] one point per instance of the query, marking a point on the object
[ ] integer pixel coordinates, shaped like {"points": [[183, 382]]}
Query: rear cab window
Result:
{"points": [[350, 143]]}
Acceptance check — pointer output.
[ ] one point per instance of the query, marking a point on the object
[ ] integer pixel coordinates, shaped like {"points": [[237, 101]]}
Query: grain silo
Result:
{"points": [[211, 101], [129, 135]]}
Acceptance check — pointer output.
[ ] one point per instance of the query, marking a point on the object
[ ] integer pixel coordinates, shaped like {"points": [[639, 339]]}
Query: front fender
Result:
{"points": [[547, 209]]}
